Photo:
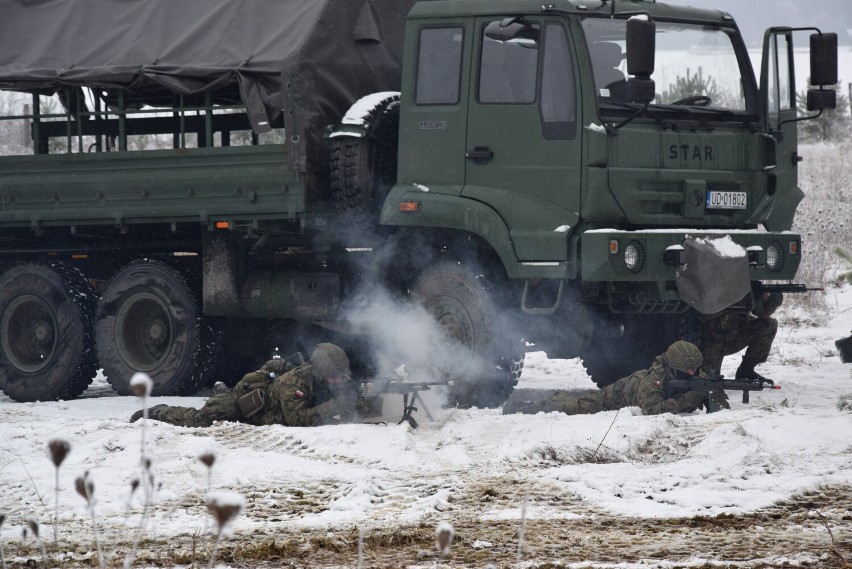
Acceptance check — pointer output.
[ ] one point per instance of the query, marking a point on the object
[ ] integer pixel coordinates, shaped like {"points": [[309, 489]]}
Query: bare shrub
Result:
{"points": [[824, 219]]}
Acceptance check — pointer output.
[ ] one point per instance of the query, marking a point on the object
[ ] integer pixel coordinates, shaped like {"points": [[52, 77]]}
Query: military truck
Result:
{"points": [[581, 177]]}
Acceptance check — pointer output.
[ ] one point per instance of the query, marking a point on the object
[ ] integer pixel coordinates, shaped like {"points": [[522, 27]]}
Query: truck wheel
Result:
{"points": [[147, 320], [364, 169], [47, 348], [481, 359]]}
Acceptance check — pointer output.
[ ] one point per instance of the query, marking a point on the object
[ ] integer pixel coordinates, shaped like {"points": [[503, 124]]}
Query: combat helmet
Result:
{"points": [[329, 360], [682, 356]]}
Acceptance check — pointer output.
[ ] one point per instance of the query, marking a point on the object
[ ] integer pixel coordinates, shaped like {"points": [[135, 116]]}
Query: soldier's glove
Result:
{"points": [[768, 304], [341, 405], [369, 407], [719, 399], [691, 400], [278, 366]]}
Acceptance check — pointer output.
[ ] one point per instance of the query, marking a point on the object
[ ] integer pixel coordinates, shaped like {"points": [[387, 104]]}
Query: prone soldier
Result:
{"points": [[313, 393], [644, 389]]}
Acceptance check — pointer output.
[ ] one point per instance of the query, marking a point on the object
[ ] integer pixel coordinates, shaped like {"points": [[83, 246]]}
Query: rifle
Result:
{"points": [[791, 287], [715, 382], [370, 390]]}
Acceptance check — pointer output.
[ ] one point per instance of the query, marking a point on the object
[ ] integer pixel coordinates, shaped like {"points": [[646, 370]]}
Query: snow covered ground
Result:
{"points": [[317, 488]]}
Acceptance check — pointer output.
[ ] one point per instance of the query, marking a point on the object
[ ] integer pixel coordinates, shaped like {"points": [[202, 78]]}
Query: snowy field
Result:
{"points": [[763, 484]]}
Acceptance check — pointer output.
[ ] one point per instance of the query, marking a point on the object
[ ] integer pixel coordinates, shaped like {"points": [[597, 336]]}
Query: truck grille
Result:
{"points": [[661, 207]]}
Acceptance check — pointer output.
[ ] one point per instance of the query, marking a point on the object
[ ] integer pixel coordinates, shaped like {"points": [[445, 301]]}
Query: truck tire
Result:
{"points": [[147, 320], [364, 169], [485, 371], [47, 346]]}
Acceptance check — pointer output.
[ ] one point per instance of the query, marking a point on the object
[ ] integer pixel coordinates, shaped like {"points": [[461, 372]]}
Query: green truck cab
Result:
{"points": [[586, 142], [579, 177]]}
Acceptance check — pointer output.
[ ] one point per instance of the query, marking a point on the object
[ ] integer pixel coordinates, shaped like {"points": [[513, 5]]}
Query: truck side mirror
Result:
{"points": [[823, 72], [824, 59], [510, 29], [641, 47]]}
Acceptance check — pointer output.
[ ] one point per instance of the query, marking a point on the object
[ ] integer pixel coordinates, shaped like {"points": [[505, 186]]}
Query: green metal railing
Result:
{"points": [[109, 125]]}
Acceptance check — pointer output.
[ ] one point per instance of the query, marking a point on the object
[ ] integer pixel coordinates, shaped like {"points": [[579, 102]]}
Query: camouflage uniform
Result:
{"points": [[296, 398], [643, 389], [732, 330]]}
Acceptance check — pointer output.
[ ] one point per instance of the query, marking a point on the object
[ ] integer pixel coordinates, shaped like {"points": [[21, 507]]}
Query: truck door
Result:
{"points": [[778, 95], [433, 121], [523, 150]]}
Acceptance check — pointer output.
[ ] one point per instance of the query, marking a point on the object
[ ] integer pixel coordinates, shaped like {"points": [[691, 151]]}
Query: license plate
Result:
{"points": [[726, 200]]}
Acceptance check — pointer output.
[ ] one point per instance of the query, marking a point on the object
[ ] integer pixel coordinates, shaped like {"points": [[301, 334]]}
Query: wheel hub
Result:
{"points": [[29, 333], [158, 332], [144, 331], [457, 347]]}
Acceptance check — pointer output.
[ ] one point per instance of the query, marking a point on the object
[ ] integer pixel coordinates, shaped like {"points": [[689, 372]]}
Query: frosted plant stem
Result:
{"points": [[101, 562], [360, 548], [140, 531], [2, 557], [144, 427], [522, 529], [55, 507], [43, 551], [215, 549]]}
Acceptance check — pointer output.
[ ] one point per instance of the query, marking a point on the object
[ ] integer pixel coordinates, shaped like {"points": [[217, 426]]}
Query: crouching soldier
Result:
{"points": [[735, 329], [313, 393], [644, 389]]}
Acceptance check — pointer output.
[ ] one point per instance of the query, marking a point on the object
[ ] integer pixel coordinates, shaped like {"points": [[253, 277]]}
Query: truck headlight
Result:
{"points": [[774, 257], [634, 256]]}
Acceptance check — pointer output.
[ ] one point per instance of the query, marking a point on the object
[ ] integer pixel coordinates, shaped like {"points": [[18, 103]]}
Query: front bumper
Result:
{"points": [[610, 255]]}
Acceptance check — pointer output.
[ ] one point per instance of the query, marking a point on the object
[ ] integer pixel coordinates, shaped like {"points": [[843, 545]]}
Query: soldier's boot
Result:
{"points": [[747, 372], [525, 407], [152, 412]]}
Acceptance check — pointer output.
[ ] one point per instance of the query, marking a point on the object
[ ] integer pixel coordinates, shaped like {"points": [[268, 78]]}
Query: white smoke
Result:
{"points": [[401, 332]]}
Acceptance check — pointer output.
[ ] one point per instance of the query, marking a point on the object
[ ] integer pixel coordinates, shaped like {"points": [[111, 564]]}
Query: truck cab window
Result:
{"points": [[558, 97], [439, 66], [507, 70], [696, 66], [780, 88]]}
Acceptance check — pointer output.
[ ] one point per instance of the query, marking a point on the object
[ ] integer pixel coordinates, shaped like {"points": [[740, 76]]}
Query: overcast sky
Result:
{"points": [[754, 16]]}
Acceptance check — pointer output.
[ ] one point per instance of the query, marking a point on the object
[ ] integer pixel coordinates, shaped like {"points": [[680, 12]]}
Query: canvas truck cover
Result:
{"points": [[307, 60]]}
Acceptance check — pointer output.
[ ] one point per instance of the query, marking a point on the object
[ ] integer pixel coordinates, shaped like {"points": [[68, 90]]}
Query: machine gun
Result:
{"points": [[370, 390], [715, 382]]}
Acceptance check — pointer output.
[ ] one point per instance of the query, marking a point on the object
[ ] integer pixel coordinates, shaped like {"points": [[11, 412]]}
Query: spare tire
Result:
{"points": [[364, 169]]}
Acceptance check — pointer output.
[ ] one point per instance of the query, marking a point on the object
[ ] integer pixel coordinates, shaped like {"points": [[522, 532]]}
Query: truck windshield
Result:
{"points": [[696, 67]]}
